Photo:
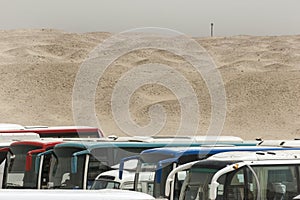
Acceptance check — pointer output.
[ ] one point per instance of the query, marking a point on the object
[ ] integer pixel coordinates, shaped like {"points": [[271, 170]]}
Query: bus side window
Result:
{"points": [[282, 182], [95, 168]]}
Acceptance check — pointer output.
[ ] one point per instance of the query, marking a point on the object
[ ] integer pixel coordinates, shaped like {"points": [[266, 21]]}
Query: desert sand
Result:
{"points": [[261, 77]]}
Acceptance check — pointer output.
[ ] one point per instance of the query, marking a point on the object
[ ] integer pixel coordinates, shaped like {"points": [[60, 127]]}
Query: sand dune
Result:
{"points": [[261, 77]]}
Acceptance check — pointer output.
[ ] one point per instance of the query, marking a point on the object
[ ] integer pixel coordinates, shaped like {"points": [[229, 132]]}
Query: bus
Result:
{"points": [[242, 175], [73, 195], [154, 166], [54, 131], [111, 180], [18, 170], [5, 140], [76, 165]]}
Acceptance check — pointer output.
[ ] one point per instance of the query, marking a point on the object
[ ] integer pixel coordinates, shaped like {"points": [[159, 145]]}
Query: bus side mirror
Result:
{"points": [[160, 165], [122, 162], [38, 159], [29, 158], [74, 160]]}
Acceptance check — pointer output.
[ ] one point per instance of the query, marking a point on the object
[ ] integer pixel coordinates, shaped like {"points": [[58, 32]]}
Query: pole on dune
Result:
{"points": [[211, 29]]}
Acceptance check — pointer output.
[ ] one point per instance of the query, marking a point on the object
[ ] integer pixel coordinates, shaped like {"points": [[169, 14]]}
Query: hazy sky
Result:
{"points": [[192, 17]]}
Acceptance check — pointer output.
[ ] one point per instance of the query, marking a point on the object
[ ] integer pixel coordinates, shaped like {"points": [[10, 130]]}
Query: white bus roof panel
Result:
{"points": [[10, 126], [248, 156], [18, 136]]}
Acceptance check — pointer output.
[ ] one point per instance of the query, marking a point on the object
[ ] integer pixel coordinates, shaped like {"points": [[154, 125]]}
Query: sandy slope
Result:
{"points": [[261, 77]]}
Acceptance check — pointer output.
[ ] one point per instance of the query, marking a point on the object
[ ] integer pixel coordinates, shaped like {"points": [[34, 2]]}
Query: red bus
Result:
{"points": [[56, 131], [19, 171]]}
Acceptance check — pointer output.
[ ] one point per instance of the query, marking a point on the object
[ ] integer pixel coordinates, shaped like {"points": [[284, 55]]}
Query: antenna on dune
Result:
{"points": [[211, 29]]}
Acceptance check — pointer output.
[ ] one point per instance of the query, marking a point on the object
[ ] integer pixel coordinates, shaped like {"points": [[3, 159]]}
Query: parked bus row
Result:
{"points": [[74, 164], [163, 167], [69, 164]]}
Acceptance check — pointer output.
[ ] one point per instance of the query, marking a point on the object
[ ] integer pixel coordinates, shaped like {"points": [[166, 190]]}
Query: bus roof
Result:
{"points": [[191, 139], [179, 151], [49, 130], [95, 145], [6, 126], [32, 140], [281, 143], [228, 158], [18, 136], [44, 144], [151, 142], [5, 144], [288, 153]]}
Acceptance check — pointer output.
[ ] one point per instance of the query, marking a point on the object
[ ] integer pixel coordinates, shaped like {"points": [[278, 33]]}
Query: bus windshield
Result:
{"points": [[99, 160], [110, 180], [196, 184], [15, 177], [103, 159], [146, 172], [105, 184], [60, 175]]}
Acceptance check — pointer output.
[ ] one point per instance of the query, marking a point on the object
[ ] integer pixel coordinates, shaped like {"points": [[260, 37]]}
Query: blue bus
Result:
{"points": [[154, 165]]}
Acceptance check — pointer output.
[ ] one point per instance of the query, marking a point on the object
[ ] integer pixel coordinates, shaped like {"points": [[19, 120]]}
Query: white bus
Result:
{"points": [[111, 180], [73, 195], [240, 175]]}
